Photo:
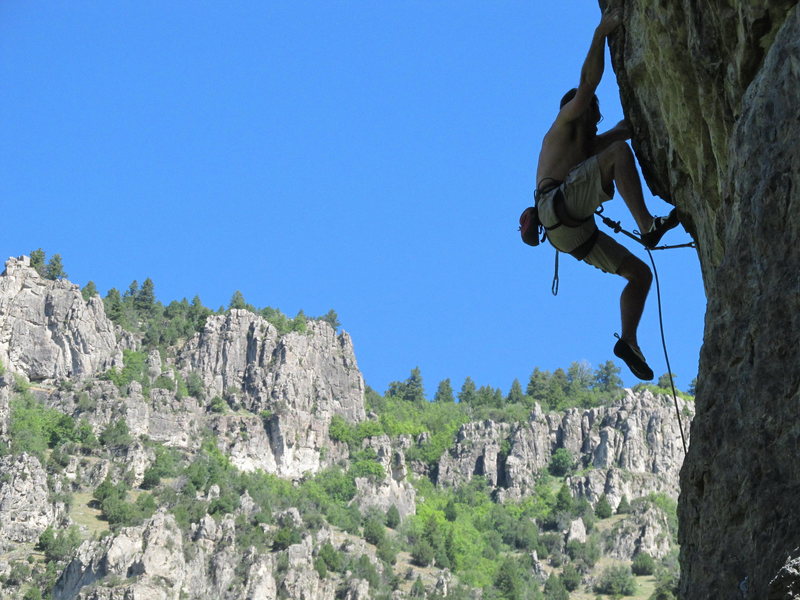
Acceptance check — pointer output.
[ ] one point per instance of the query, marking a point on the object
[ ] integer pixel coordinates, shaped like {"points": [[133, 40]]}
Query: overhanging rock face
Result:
{"points": [[712, 91]]}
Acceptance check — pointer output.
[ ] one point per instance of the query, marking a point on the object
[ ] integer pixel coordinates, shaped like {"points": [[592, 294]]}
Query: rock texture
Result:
{"points": [[24, 500], [711, 92], [630, 448], [47, 329], [300, 381]]}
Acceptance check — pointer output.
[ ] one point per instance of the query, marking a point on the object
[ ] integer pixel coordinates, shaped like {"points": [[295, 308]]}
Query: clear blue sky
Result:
{"points": [[370, 157]]}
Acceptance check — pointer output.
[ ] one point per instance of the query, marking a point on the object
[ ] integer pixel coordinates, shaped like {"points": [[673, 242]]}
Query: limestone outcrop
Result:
{"points": [[631, 448], [710, 90], [296, 382], [25, 503], [47, 329]]}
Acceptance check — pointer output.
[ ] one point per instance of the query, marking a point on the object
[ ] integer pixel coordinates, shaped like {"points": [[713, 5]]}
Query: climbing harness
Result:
{"points": [[564, 218]]}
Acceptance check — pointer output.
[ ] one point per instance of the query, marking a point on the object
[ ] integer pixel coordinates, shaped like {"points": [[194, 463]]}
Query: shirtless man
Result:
{"points": [[577, 172]]}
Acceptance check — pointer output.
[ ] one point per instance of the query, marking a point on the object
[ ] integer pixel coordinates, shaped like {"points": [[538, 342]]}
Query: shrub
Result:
{"points": [[392, 517], [616, 580], [603, 508], [561, 463], [643, 564], [422, 553]]}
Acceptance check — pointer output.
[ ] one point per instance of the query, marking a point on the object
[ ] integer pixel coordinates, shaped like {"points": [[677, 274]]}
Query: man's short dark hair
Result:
{"points": [[571, 94]]}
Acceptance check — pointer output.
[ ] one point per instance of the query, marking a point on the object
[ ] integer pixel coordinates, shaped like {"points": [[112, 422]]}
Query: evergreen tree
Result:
{"points": [[332, 319], [55, 268], [413, 390], [237, 301], [554, 588], [133, 289], [145, 298], [89, 290], [444, 393], [664, 381], [561, 463], [515, 395], [468, 393], [37, 261], [606, 377], [113, 304], [603, 508], [624, 507], [692, 387], [392, 517]]}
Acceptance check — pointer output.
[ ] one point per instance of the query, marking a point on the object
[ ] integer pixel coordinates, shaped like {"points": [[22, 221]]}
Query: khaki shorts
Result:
{"points": [[583, 193]]}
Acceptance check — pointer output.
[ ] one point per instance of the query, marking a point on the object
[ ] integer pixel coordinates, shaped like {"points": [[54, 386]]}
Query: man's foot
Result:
{"points": [[661, 225], [634, 359]]}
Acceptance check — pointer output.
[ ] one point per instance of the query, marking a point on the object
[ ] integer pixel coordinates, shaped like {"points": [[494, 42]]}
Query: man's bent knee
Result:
{"points": [[636, 272]]}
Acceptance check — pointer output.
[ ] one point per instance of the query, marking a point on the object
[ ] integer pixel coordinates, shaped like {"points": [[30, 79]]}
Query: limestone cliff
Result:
{"points": [[711, 90], [47, 329]]}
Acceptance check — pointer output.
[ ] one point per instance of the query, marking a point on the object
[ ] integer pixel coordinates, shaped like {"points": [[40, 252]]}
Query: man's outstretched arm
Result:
{"points": [[593, 67]]}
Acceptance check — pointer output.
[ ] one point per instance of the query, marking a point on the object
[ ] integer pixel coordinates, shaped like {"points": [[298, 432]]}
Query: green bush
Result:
{"points": [[643, 564], [616, 580], [561, 463], [603, 508], [392, 517]]}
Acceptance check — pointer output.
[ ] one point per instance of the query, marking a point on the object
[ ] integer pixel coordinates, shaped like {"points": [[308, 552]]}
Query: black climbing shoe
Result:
{"points": [[634, 359], [661, 225]]}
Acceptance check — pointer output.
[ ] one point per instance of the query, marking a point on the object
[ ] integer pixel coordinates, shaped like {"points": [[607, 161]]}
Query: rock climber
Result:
{"points": [[577, 171]]}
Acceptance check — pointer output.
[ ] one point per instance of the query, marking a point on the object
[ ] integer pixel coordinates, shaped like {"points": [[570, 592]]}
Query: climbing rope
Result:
{"points": [[666, 354]]}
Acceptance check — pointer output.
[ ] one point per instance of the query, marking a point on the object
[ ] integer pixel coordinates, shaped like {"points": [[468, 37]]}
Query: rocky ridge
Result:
{"points": [[267, 401]]}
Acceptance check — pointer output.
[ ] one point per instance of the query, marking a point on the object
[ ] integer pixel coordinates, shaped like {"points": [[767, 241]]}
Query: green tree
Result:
{"points": [[237, 301], [664, 381], [643, 564], [570, 577], [603, 508], [616, 580], [624, 507], [414, 391], [692, 389], [145, 299], [510, 580], [374, 531], [392, 517], [515, 395], [561, 462], [554, 588], [444, 393], [564, 500], [468, 393], [606, 377], [89, 290], [37, 261], [332, 319], [113, 305], [55, 268], [422, 553]]}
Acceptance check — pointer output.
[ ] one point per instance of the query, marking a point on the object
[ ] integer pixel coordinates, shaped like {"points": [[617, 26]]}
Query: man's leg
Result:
{"points": [[633, 297], [617, 165]]}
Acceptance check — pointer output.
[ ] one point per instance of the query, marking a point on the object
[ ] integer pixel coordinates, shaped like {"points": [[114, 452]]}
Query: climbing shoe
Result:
{"points": [[661, 225], [634, 359]]}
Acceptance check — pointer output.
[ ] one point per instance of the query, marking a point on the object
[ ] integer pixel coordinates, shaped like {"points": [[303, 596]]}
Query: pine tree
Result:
{"points": [[468, 393], [603, 508], [606, 377], [145, 298], [413, 390], [55, 268], [444, 393], [237, 301], [515, 394], [89, 290], [37, 261]]}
